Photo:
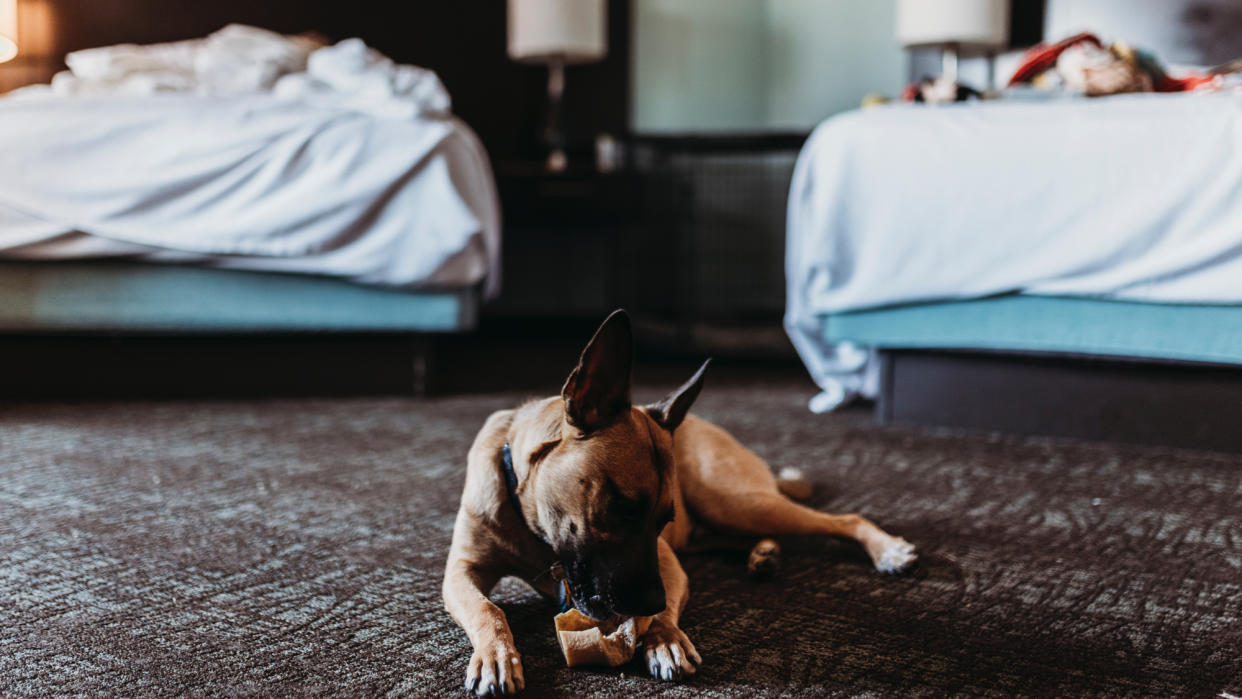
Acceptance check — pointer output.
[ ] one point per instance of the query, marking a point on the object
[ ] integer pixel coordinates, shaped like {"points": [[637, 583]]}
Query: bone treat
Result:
{"points": [[588, 642]]}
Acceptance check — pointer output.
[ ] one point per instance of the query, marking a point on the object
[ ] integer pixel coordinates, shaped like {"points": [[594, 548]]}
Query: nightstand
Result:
{"points": [[566, 243]]}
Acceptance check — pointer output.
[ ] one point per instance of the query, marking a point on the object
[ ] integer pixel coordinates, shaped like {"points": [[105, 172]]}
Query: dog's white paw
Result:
{"points": [[669, 653], [495, 671], [895, 557]]}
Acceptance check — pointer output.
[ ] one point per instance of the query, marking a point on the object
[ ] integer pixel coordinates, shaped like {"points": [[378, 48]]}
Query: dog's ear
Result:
{"points": [[598, 389], [670, 411]]}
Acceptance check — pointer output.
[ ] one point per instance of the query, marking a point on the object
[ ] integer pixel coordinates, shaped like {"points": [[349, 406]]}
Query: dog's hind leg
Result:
{"points": [[729, 488], [772, 514]]}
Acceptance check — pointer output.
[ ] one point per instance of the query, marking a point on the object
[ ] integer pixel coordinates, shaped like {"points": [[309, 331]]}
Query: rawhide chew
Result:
{"points": [[588, 642]]}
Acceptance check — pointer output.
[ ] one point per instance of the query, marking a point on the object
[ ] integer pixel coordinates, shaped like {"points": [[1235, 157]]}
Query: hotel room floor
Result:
{"points": [[296, 547]]}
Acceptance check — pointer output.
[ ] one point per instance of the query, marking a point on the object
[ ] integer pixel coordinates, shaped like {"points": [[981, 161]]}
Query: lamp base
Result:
{"points": [[553, 137], [556, 161]]}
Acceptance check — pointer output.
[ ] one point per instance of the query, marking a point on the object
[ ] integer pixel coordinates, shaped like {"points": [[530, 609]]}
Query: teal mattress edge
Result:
{"points": [[1046, 324], [108, 296]]}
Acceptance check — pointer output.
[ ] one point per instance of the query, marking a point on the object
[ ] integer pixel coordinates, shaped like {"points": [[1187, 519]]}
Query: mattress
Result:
{"points": [[249, 182], [1135, 198]]}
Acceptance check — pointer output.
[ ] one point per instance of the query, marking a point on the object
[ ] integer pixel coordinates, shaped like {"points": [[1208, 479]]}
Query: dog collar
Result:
{"points": [[511, 480], [511, 485]]}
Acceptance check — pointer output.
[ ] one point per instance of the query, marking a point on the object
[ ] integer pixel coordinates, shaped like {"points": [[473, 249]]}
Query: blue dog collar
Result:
{"points": [[511, 484]]}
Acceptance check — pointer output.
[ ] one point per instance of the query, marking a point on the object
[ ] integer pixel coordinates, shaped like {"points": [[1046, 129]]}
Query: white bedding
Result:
{"points": [[1132, 197], [363, 176]]}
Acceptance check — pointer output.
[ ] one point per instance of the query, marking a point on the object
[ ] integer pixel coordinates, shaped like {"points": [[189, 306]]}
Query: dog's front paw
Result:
{"points": [[495, 670], [893, 556], [669, 653]]}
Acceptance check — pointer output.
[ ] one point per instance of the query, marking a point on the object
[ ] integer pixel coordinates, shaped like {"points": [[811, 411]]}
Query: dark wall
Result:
{"points": [[462, 40]]}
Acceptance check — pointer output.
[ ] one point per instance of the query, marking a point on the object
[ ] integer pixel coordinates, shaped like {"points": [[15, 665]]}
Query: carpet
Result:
{"points": [[296, 548]]}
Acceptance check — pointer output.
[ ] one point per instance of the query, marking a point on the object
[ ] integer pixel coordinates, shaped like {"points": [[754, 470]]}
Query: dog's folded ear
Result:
{"points": [[598, 389], [670, 411]]}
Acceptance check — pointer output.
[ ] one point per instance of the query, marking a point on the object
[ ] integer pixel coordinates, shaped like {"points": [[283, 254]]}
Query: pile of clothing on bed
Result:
{"points": [[1084, 65]]}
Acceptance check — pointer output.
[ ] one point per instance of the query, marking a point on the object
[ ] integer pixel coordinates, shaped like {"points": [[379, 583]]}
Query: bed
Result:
{"points": [[167, 188], [1106, 231]]}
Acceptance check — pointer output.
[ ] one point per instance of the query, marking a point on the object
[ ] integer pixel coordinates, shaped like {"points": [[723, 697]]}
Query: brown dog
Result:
{"points": [[603, 489]]}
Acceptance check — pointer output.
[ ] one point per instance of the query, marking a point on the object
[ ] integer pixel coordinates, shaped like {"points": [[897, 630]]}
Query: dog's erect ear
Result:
{"points": [[672, 410], [598, 389]]}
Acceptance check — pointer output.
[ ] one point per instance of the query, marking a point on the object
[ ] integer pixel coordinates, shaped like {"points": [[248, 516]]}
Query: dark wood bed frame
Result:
{"points": [[1197, 406], [75, 366]]}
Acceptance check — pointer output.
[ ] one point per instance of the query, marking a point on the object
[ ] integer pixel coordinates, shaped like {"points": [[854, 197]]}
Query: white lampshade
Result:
{"points": [[971, 23], [8, 30], [567, 31]]}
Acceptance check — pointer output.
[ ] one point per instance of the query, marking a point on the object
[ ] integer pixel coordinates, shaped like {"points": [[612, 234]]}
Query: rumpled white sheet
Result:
{"points": [[1135, 197], [249, 182], [252, 182], [355, 170]]}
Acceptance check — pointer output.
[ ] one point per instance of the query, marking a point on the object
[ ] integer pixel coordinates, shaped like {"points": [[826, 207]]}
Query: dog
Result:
{"points": [[606, 491]]}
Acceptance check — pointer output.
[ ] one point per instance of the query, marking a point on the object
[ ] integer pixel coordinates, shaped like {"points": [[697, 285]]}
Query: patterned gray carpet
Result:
{"points": [[296, 548]]}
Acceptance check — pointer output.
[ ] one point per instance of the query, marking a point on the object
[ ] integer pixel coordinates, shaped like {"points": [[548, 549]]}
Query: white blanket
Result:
{"points": [[252, 182], [250, 150], [1133, 197]]}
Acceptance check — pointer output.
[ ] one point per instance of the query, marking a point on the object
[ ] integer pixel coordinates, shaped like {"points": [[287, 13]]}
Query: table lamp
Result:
{"points": [[953, 25], [557, 33], [8, 30]]}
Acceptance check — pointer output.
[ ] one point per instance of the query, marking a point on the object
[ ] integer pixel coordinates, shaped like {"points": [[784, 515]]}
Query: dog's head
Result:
{"points": [[603, 484]]}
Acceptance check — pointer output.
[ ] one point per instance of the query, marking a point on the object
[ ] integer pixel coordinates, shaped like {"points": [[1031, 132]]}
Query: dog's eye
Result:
{"points": [[628, 509]]}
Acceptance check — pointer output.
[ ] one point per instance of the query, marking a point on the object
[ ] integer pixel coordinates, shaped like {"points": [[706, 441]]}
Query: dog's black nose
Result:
{"points": [[642, 600]]}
